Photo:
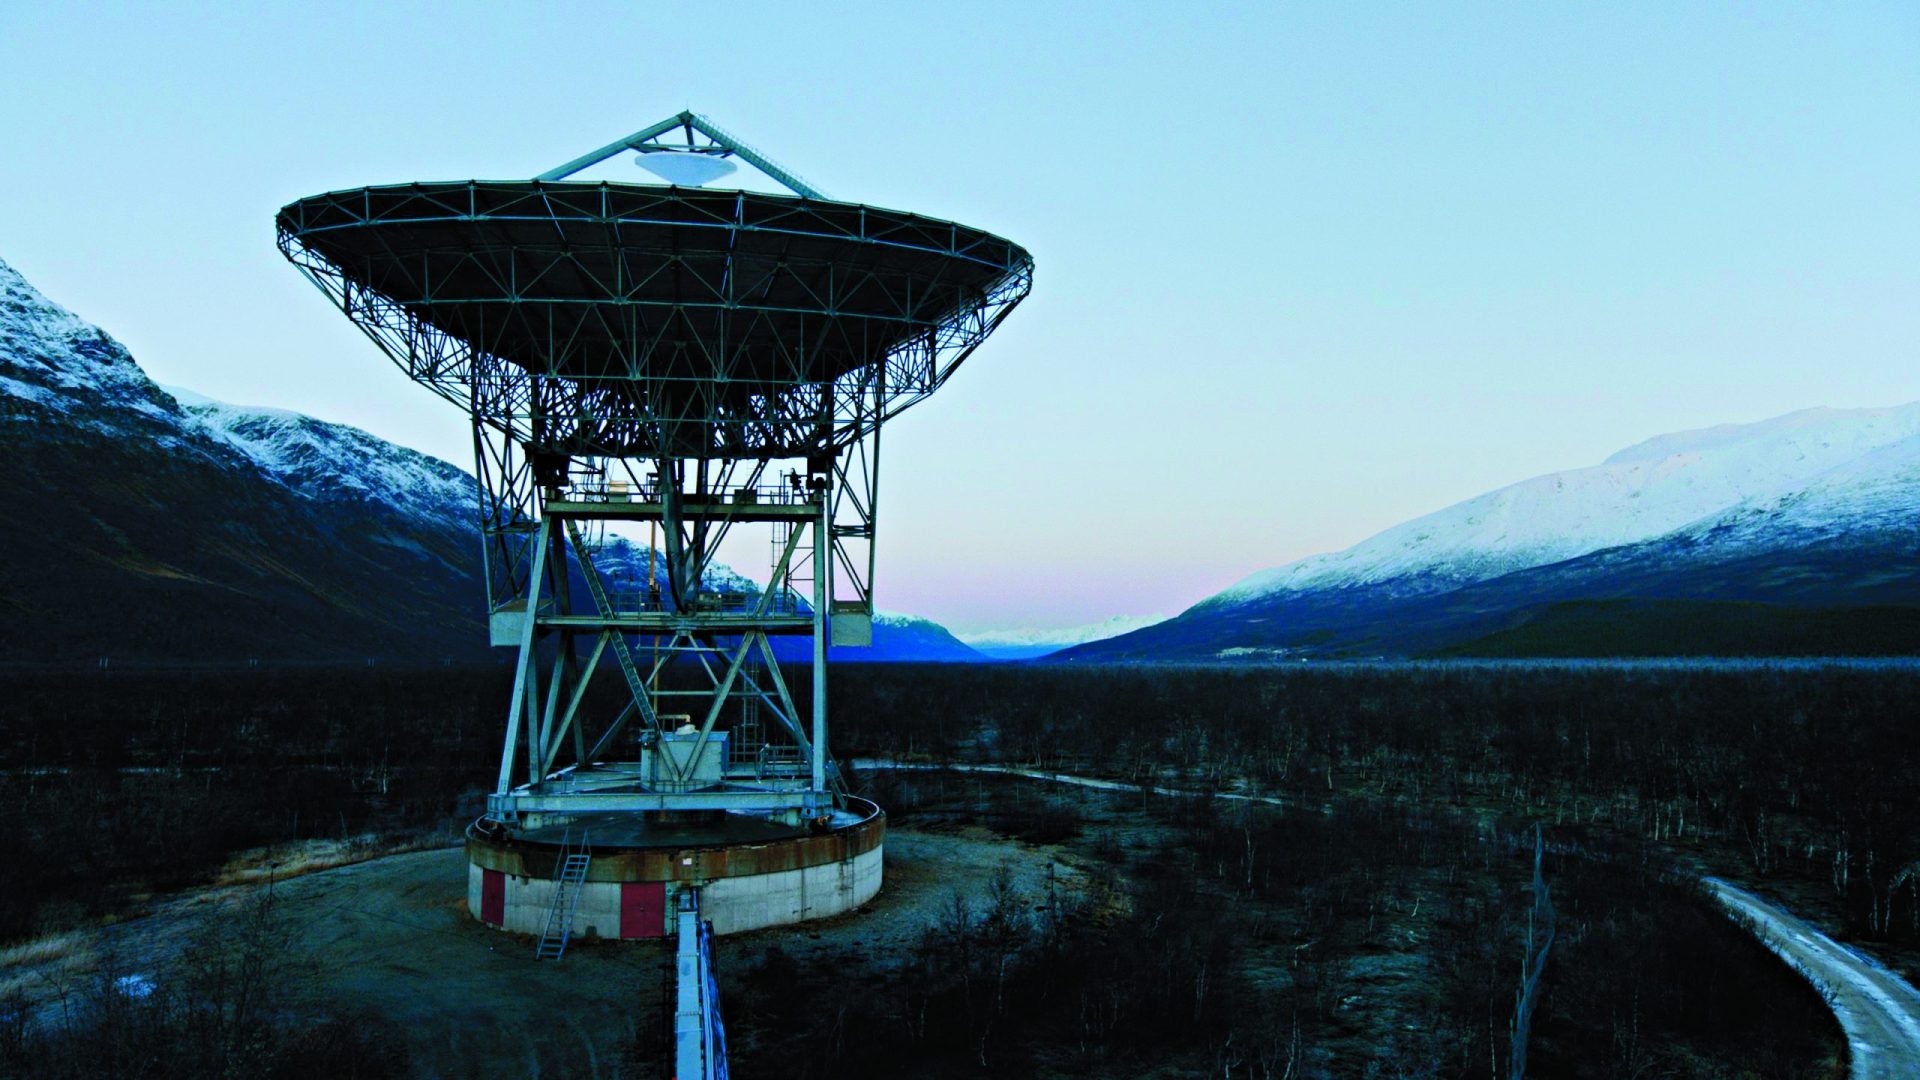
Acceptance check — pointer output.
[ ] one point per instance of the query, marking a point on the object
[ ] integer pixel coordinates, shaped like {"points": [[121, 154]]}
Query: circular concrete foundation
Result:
{"points": [[751, 872]]}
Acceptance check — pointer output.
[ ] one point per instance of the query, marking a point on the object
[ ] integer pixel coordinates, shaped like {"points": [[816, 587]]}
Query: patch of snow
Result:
{"points": [[135, 986], [24, 310], [330, 461], [38, 394], [61, 362]]}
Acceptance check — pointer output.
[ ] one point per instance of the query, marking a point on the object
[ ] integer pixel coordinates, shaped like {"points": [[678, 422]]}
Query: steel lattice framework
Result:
{"points": [[686, 359]]}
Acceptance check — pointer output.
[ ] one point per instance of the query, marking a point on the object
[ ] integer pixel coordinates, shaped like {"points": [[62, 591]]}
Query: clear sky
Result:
{"points": [[1304, 270]]}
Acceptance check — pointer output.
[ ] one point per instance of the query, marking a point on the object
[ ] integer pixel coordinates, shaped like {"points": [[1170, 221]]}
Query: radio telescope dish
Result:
{"points": [[690, 365]]}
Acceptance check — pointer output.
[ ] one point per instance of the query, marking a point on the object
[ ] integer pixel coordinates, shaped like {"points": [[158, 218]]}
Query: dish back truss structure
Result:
{"points": [[679, 362]]}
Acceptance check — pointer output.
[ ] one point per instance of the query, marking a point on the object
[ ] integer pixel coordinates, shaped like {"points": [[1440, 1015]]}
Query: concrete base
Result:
{"points": [[634, 883]]}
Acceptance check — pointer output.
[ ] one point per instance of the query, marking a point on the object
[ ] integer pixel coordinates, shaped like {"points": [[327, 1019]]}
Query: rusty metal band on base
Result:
{"points": [[531, 859]]}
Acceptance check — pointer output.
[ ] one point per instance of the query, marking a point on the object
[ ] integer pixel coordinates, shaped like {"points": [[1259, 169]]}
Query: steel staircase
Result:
{"points": [[572, 878], [619, 640], [699, 1036]]}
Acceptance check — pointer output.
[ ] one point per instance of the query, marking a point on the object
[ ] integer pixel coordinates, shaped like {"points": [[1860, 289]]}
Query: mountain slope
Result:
{"points": [[333, 463], [145, 532], [896, 637], [1642, 492], [157, 525], [1812, 510]]}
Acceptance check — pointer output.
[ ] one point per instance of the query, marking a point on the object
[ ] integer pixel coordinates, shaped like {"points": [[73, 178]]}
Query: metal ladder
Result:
{"points": [[747, 738], [572, 878], [797, 582]]}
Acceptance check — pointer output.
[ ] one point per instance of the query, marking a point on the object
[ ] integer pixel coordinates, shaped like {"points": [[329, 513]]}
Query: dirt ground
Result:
{"points": [[391, 937]]}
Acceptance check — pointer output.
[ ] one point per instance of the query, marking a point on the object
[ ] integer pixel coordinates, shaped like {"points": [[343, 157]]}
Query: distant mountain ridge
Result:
{"points": [[161, 525], [1643, 492], [1027, 643], [1814, 510], [896, 637]]}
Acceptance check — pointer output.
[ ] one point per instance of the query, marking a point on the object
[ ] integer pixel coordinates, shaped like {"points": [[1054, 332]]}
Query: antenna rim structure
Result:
{"points": [[469, 286]]}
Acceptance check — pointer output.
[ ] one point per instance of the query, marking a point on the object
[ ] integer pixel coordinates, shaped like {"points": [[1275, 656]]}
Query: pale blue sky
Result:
{"points": [[1304, 271]]}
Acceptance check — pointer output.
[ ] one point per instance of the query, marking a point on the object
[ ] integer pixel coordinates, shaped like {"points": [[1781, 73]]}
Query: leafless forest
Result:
{"points": [[1379, 920]]}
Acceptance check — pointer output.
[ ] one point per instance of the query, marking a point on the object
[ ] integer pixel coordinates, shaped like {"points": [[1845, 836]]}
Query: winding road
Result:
{"points": [[1878, 1010]]}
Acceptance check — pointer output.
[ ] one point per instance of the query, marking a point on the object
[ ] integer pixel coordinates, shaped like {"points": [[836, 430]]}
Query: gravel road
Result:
{"points": [[1879, 1010]]}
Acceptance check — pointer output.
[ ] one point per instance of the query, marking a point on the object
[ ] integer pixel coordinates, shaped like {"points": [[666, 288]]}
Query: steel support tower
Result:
{"points": [[554, 603]]}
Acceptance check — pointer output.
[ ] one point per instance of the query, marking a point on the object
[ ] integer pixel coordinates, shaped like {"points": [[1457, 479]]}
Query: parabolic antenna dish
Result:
{"points": [[647, 319]]}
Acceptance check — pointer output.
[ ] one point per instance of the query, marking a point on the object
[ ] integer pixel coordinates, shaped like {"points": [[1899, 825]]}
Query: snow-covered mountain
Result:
{"points": [[896, 637], [333, 462], [54, 365], [910, 637], [1646, 491], [148, 530], [1812, 509], [159, 524], [1025, 643]]}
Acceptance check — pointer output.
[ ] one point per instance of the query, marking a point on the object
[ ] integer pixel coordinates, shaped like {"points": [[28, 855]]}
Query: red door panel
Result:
{"points": [[643, 909], [493, 897]]}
